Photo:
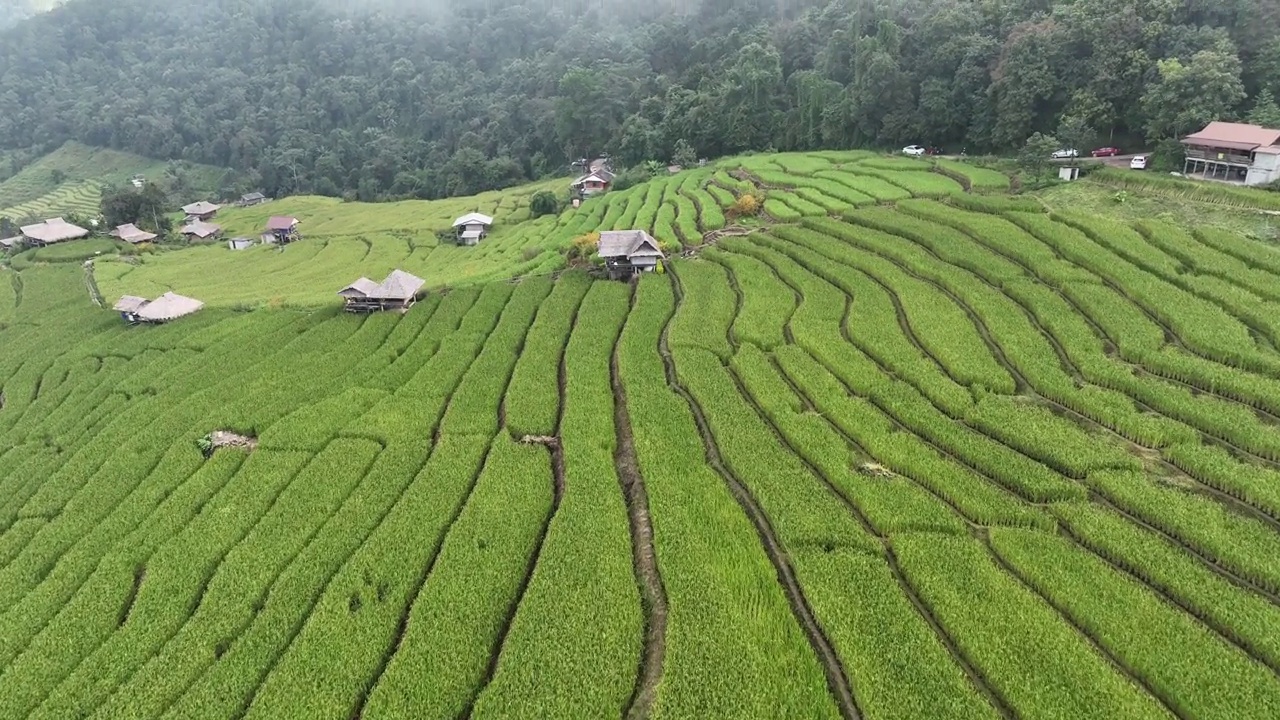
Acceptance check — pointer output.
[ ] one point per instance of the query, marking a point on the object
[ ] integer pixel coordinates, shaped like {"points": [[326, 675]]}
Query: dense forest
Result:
{"points": [[375, 100]]}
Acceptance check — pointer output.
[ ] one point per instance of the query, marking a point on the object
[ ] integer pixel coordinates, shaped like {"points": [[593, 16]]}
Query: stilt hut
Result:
{"points": [[628, 252], [398, 292], [169, 306], [472, 227]]}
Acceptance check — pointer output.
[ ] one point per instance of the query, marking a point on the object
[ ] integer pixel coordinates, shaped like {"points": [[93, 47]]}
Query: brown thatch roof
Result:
{"points": [[364, 287], [201, 208], [200, 229], [169, 306], [131, 233], [627, 243], [399, 285], [53, 230], [130, 304]]}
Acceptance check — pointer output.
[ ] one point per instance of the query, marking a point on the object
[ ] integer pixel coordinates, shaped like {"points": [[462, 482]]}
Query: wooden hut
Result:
{"points": [[53, 230], [628, 252], [472, 227], [251, 199], [200, 230], [201, 211], [132, 234], [593, 183], [398, 292], [283, 230], [169, 306]]}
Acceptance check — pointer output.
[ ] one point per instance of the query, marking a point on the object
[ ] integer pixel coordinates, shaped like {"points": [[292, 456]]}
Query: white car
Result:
{"points": [[1139, 162], [913, 151], [1065, 154]]}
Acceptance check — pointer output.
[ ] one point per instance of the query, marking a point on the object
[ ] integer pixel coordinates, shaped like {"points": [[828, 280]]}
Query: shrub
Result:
{"points": [[542, 203], [746, 206]]}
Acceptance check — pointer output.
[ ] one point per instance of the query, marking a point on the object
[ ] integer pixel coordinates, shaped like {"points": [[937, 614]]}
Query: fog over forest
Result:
{"points": [[379, 99]]}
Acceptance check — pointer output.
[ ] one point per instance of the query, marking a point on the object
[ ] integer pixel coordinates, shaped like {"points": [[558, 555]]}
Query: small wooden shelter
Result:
{"points": [[169, 306], [12, 243], [201, 210], [472, 227], [200, 230], [628, 252], [283, 230], [251, 199], [240, 243], [132, 234], [398, 292]]}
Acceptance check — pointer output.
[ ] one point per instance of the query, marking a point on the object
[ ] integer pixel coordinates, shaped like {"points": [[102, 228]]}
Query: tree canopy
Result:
{"points": [[379, 101]]}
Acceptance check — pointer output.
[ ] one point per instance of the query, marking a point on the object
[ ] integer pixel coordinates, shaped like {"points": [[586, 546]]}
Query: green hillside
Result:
{"points": [[69, 181], [899, 452], [347, 240]]}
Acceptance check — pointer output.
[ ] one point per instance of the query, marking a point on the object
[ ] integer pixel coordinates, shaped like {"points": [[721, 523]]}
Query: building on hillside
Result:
{"points": [[251, 199], [472, 227], [169, 306], [240, 243], [12, 243], [200, 230], [1233, 152], [593, 183], [53, 230], [398, 292], [201, 210], [628, 252], [282, 230], [1068, 174], [132, 234]]}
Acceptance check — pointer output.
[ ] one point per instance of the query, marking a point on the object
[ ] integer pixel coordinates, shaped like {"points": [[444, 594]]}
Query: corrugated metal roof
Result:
{"points": [[1234, 136], [473, 218], [469, 234], [279, 222]]}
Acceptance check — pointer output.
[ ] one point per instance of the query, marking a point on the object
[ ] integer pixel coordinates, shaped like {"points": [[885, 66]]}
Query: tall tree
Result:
{"points": [[1186, 97]]}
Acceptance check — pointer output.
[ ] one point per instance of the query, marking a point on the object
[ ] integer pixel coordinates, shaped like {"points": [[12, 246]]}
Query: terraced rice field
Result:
{"points": [[347, 240], [930, 459], [69, 181]]}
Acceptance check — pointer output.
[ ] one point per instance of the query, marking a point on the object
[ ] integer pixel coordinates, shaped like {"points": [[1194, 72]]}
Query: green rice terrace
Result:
{"points": [[902, 447], [69, 181]]}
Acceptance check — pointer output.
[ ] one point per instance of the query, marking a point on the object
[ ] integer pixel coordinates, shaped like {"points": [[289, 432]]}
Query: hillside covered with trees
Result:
{"points": [[382, 101]]}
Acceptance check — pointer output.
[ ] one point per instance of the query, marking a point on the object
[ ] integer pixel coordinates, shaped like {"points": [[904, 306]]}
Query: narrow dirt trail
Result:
{"points": [[653, 592]]}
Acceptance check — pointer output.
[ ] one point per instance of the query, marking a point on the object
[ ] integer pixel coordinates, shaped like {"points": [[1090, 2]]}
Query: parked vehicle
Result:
{"points": [[913, 150], [1139, 162], [1106, 152], [1065, 154]]}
